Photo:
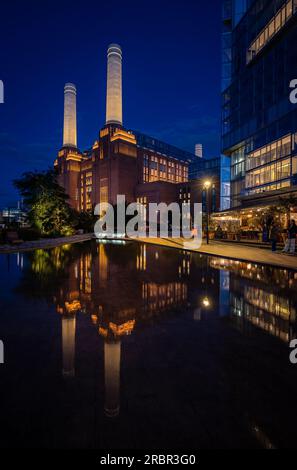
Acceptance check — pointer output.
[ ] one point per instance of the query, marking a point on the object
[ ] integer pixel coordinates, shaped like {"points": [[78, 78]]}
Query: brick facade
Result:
{"points": [[117, 165]]}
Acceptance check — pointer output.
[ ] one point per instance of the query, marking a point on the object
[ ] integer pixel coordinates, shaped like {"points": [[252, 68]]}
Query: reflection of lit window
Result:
{"points": [[160, 297], [103, 264], [141, 259]]}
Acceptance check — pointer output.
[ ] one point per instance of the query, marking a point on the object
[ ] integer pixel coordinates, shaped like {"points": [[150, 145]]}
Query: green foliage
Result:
{"points": [[46, 201], [286, 204]]}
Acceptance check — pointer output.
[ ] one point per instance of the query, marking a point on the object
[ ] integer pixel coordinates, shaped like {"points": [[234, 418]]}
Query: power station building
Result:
{"points": [[120, 162]]}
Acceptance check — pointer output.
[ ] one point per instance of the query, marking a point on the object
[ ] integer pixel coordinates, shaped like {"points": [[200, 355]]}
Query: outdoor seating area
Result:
{"points": [[271, 227]]}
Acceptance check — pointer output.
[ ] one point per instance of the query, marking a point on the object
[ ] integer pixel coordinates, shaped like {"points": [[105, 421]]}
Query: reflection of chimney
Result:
{"points": [[68, 345], [197, 314], [70, 132], [199, 150], [114, 113], [112, 367], [103, 266]]}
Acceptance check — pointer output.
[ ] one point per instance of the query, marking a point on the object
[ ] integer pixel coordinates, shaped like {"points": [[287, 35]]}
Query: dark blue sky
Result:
{"points": [[171, 74]]}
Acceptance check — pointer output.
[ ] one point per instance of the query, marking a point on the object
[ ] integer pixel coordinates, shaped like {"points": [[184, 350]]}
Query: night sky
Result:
{"points": [[171, 75]]}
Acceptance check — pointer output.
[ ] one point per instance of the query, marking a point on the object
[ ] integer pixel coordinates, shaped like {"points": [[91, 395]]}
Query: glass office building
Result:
{"points": [[216, 170], [259, 122]]}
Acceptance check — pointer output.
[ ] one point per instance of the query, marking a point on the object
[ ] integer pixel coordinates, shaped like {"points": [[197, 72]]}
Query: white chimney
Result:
{"points": [[199, 150], [114, 107], [70, 131]]}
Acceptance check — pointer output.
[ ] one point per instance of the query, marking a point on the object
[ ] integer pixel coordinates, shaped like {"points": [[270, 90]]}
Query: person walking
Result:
{"points": [[274, 234], [291, 242]]}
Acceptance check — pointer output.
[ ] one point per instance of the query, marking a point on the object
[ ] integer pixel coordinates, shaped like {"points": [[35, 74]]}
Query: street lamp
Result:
{"points": [[207, 186]]}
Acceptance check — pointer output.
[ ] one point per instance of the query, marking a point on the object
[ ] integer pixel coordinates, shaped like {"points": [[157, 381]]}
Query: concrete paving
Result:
{"points": [[215, 248], [233, 251]]}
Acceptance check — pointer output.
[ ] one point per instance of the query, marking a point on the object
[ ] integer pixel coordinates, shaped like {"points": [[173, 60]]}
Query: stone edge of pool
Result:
{"points": [[216, 249], [45, 244]]}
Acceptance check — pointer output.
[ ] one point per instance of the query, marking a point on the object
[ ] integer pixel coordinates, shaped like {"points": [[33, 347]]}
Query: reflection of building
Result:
{"points": [[68, 344], [158, 298], [112, 368], [259, 123], [97, 284], [95, 275], [253, 299], [109, 287], [264, 309], [224, 293]]}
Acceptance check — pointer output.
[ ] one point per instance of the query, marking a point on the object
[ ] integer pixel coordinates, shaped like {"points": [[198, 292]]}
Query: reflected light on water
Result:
{"points": [[155, 311]]}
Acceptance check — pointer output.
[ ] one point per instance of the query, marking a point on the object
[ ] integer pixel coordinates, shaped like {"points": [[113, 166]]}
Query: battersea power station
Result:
{"points": [[120, 162]]}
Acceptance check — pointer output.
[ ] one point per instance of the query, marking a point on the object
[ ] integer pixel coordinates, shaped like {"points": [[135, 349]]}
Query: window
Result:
{"points": [[269, 173], [279, 149]]}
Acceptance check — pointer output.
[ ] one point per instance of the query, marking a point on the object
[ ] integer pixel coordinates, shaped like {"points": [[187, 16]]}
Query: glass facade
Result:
{"points": [[216, 170], [259, 123], [162, 148], [283, 15], [225, 183], [233, 11]]}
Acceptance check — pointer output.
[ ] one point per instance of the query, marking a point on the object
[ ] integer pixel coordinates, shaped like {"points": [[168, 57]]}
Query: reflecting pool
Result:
{"points": [[134, 346]]}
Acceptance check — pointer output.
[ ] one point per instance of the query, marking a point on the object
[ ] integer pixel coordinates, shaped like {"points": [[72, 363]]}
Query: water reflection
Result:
{"points": [[68, 345], [262, 296], [95, 281], [123, 289], [112, 367], [118, 286]]}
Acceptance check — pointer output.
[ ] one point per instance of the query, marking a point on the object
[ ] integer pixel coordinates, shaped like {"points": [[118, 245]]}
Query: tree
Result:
{"points": [[85, 221], [287, 204], [46, 202]]}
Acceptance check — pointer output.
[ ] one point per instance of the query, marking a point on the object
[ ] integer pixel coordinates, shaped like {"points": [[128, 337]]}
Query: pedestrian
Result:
{"points": [[265, 233], [219, 233], [291, 241], [273, 236]]}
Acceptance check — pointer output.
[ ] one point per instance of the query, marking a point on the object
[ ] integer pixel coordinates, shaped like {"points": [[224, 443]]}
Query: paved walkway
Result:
{"points": [[233, 251], [216, 248], [45, 243]]}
